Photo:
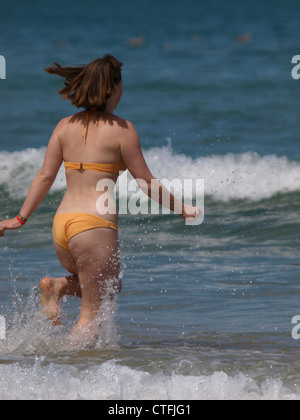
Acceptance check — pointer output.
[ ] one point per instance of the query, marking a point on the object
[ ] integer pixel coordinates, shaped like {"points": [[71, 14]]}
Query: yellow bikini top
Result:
{"points": [[113, 168]]}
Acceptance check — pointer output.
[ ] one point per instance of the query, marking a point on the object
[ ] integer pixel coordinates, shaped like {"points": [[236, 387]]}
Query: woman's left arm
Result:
{"points": [[41, 183]]}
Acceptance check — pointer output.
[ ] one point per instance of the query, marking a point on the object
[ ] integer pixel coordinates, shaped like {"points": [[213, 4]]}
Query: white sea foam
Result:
{"points": [[112, 381], [34, 370], [17, 170], [246, 176], [37, 364]]}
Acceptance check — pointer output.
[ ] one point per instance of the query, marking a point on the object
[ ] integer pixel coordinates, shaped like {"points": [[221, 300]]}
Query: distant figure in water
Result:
{"points": [[94, 145]]}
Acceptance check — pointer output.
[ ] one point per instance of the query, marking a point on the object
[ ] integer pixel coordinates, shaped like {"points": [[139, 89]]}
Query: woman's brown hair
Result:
{"points": [[89, 86]]}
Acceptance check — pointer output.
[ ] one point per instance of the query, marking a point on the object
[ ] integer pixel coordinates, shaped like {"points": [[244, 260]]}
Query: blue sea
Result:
{"points": [[206, 311]]}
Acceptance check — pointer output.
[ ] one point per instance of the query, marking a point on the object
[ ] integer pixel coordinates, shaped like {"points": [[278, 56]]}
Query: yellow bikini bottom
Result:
{"points": [[67, 225]]}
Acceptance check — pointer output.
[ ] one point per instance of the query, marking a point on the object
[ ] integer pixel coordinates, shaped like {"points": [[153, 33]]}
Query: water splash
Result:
{"points": [[29, 332]]}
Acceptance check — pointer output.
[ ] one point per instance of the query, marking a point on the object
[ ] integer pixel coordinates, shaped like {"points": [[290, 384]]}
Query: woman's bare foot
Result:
{"points": [[50, 299]]}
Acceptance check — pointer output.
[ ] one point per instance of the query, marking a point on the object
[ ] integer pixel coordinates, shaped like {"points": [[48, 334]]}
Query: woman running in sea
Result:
{"points": [[94, 145]]}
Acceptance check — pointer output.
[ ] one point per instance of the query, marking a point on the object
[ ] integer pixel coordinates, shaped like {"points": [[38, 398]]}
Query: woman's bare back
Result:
{"points": [[84, 139]]}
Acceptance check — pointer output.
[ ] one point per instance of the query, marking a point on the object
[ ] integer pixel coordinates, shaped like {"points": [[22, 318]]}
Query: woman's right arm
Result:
{"points": [[133, 158], [41, 183]]}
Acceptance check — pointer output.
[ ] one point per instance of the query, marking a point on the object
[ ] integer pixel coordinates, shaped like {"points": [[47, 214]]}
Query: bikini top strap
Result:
{"points": [[88, 118]]}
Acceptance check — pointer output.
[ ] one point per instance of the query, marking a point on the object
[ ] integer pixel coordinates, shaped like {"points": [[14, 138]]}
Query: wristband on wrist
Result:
{"points": [[21, 219]]}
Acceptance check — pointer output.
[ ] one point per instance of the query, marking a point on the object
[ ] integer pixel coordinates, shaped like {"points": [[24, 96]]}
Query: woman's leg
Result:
{"points": [[53, 289], [96, 254]]}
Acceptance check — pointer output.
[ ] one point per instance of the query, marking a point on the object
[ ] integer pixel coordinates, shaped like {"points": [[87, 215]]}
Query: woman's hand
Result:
{"points": [[9, 224], [190, 212]]}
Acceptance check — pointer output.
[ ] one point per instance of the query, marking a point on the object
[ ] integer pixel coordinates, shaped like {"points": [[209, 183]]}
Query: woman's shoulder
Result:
{"points": [[65, 121], [120, 126], [123, 123], [116, 121]]}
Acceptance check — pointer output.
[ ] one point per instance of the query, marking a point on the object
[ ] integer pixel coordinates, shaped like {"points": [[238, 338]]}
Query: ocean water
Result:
{"points": [[206, 311]]}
